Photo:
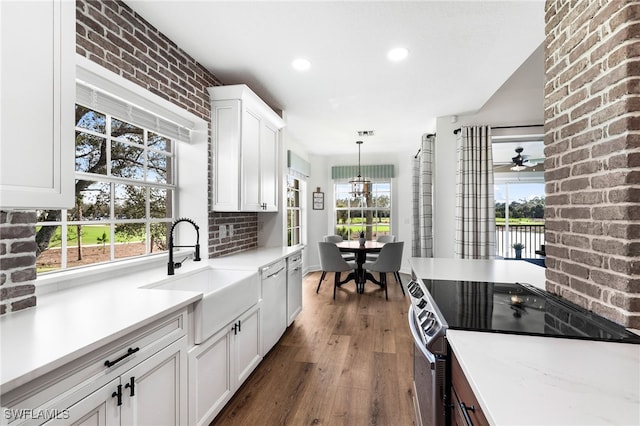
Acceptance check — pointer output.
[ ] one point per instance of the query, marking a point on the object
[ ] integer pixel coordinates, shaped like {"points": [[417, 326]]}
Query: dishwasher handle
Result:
{"points": [[274, 273]]}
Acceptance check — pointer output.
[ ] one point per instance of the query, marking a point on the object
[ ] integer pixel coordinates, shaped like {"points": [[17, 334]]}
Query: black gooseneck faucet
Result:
{"points": [[171, 266]]}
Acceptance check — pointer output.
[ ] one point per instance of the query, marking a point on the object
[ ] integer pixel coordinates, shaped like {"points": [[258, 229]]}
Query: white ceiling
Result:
{"points": [[460, 54]]}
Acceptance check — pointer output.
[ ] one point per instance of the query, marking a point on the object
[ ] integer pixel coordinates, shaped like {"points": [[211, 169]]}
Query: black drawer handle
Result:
{"points": [[130, 352]]}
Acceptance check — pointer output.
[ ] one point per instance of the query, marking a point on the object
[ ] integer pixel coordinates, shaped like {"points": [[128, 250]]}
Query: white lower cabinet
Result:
{"points": [[139, 380], [221, 364], [154, 392], [151, 393], [99, 408]]}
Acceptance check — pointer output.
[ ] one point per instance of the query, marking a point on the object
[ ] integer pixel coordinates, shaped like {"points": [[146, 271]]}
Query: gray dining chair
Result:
{"points": [[389, 261], [381, 239], [349, 257], [332, 261]]}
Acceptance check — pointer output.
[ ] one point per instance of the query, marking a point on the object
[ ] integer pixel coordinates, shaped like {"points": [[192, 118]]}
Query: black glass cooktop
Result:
{"points": [[520, 309]]}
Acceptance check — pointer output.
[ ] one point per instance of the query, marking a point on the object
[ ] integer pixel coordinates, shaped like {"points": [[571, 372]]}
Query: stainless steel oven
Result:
{"points": [[429, 380]]}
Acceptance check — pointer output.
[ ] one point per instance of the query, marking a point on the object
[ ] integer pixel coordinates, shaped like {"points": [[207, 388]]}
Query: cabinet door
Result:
{"points": [[247, 342], [294, 288], [155, 391], [37, 95], [250, 174], [99, 408], [210, 379], [226, 135], [269, 167], [465, 408]]}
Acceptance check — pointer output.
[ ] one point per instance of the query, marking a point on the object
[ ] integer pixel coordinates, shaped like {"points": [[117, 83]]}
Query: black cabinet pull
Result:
{"points": [[239, 325], [118, 394], [235, 329], [131, 385], [130, 352], [465, 413]]}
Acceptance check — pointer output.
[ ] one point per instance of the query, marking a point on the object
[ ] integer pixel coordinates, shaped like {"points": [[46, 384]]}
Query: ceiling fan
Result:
{"points": [[521, 162]]}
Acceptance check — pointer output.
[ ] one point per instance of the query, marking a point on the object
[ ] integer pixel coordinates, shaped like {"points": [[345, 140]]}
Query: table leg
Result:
{"points": [[361, 257]]}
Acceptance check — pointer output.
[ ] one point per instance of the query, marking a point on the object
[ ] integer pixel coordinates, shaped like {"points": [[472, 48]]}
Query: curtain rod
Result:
{"points": [[429, 135], [456, 131]]}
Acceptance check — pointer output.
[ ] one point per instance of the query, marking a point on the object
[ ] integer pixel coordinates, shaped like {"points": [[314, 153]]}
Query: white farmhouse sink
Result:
{"points": [[226, 294]]}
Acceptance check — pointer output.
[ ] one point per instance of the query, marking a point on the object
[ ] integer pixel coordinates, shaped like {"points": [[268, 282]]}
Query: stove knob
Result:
{"points": [[427, 324]]}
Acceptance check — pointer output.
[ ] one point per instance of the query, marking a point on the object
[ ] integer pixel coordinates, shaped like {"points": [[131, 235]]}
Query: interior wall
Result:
{"points": [[321, 221], [519, 101]]}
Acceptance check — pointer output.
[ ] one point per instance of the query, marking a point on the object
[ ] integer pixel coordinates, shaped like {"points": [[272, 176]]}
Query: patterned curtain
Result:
{"points": [[422, 241], [475, 204]]}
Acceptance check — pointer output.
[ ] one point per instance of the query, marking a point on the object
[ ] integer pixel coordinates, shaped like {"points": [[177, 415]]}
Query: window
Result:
{"points": [[371, 215], [294, 212], [125, 192], [523, 220], [519, 193]]}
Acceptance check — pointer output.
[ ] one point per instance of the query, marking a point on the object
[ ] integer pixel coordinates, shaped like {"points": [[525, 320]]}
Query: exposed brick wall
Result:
{"points": [[592, 166], [244, 234], [113, 35], [116, 37], [17, 260]]}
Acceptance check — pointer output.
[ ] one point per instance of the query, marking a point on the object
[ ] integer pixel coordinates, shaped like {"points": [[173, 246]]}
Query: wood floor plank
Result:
{"points": [[347, 361]]}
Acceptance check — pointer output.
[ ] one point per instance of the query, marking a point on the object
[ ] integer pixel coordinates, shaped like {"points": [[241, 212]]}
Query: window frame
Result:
{"points": [[370, 234], [294, 210], [192, 156], [113, 181]]}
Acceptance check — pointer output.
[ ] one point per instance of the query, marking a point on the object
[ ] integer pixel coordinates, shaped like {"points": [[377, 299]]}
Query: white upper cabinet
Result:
{"points": [[246, 138], [37, 96]]}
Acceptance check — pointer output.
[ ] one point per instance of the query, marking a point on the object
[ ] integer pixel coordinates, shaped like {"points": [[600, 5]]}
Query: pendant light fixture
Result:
{"points": [[360, 186]]}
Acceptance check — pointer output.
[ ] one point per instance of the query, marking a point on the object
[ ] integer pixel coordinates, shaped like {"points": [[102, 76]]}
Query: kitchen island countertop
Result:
{"points": [[532, 380]]}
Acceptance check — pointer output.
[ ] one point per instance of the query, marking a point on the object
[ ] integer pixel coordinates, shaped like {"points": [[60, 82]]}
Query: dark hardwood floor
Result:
{"points": [[342, 362]]}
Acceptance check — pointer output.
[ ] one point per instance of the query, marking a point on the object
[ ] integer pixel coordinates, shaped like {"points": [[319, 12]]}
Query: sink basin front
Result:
{"points": [[226, 293]]}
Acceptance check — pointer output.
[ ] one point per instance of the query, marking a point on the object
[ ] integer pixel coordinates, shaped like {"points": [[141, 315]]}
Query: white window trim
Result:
{"points": [[192, 179], [378, 180]]}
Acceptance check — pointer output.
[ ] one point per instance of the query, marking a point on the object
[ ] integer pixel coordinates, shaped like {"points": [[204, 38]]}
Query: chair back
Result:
{"points": [[333, 238], [330, 258], [386, 239], [390, 258]]}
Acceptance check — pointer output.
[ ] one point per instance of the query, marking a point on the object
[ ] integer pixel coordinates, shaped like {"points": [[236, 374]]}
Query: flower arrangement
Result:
{"points": [[517, 246]]}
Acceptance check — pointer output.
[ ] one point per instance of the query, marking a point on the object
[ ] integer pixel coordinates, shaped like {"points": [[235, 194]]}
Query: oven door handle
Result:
{"points": [[418, 339]]}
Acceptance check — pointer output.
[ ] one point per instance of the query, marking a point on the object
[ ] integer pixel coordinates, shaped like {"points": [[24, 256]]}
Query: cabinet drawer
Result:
{"points": [[91, 371], [463, 395], [294, 261]]}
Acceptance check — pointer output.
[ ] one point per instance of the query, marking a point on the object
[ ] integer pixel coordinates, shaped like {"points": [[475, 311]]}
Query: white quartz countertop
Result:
{"points": [[497, 270], [254, 259], [531, 380], [69, 323]]}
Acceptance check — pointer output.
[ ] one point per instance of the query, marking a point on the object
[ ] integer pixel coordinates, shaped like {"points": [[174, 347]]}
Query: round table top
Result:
{"points": [[369, 246]]}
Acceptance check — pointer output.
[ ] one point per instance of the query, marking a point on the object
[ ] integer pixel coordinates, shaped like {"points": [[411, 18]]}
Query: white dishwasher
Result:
{"points": [[274, 304]]}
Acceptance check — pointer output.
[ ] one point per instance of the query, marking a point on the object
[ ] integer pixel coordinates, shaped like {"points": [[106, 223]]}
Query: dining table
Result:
{"points": [[360, 251]]}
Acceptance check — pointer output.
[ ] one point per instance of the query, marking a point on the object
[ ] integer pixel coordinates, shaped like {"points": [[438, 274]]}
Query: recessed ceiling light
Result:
{"points": [[397, 54], [301, 64]]}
